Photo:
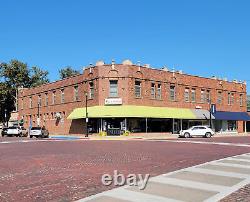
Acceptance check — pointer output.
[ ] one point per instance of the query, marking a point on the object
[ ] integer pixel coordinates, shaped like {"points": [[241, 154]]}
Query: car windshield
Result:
{"points": [[12, 127], [36, 128]]}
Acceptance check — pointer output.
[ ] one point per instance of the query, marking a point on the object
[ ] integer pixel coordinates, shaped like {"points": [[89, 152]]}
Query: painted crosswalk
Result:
{"points": [[209, 182]]}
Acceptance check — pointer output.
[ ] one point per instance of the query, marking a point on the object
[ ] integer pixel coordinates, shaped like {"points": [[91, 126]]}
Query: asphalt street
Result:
{"points": [[68, 170]]}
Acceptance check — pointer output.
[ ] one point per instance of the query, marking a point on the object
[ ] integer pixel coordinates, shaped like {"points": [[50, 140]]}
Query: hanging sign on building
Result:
{"points": [[113, 101]]}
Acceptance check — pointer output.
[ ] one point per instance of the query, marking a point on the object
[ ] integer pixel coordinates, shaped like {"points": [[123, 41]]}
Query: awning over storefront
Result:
{"points": [[232, 116], [132, 111], [202, 114]]}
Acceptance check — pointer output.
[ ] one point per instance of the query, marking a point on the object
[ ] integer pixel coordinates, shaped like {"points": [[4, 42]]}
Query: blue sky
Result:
{"points": [[204, 38]]}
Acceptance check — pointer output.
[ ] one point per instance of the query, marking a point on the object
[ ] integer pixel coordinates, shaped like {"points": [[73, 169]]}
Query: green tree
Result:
{"points": [[14, 75], [67, 72]]}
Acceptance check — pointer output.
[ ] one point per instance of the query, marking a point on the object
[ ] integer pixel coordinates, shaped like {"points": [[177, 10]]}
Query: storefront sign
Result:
{"points": [[113, 101]]}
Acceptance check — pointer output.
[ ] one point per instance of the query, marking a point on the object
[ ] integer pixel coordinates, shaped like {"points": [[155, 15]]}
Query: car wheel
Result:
{"points": [[187, 135], [208, 135], [31, 136]]}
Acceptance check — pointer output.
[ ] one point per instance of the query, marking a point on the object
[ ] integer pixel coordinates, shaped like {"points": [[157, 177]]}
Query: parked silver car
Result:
{"points": [[39, 132]]}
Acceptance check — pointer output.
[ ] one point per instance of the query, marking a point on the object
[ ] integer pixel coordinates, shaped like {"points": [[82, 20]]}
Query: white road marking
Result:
{"points": [[219, 191], [203, 142]]}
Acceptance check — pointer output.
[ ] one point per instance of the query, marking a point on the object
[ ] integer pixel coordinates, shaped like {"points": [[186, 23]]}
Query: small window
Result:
{"points": [[137, 89], [219, 97], [31, 103], [172, 93], [62, 96], [202, 96], [186, 95], [229, 98], [54, 97], [113, 88], [241, 100], [46, 99], [232, 98], [159, 91], [76, 95], [193, 95], [39, 100], [152, 90], [208, 97], [91, 90]]}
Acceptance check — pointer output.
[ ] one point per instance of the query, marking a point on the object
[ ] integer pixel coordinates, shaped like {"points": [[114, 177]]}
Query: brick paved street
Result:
{"points": [[50, 170]]}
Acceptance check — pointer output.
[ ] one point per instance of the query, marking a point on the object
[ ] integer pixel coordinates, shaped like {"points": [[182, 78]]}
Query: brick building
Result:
{"points": [[135, 98]]}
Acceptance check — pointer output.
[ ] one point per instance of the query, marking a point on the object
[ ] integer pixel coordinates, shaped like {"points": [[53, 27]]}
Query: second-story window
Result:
{"points": [[46, 99], [113, 88], [159, 91], [172, 93], [62, 96], [31, 103], [186, 95], [39, 100], [202, 96], [229, 98], [219, 97], [137, 89], [91, 90], [53, 97], [232, 98], [241, 100], [22, 103], [76, 97], [193, 95], [208, 96], [152, 90]]}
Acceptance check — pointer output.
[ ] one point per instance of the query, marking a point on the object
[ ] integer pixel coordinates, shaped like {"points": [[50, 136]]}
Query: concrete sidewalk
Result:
{"points": [[141, 136]]}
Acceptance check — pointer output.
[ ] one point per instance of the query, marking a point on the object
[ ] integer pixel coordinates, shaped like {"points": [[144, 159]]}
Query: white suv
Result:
{"points": [[204, 131]]}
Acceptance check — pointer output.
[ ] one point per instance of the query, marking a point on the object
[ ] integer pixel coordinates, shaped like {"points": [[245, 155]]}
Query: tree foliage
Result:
{"points": [[14, 75], [67, 72]]}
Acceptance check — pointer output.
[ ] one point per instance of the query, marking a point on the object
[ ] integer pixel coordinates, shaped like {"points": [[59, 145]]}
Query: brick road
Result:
{"points": [[70, 170]]}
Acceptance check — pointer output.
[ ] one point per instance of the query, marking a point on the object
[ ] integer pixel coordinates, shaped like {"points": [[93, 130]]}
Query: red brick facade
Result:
{"points": [[126, 75]]}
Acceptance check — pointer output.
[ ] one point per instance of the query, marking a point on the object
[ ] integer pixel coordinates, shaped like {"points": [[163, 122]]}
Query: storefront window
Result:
{"points": [[232, 125]]}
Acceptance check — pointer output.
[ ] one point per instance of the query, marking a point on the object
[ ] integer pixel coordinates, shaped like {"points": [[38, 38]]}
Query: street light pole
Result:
{"points": [[87, 119]]}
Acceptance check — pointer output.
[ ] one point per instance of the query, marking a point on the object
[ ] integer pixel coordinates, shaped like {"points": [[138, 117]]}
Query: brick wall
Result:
{"points": [[126, 76]]}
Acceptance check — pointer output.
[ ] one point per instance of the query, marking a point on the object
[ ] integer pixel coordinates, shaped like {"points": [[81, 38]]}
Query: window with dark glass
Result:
{"points": [[113, 88], [138, 89], [208, 96], [39, 100]]}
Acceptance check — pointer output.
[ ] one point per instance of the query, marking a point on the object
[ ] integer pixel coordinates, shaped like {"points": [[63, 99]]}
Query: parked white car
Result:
{"points": [[204, 131], [14, 131], [39, 132]]}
